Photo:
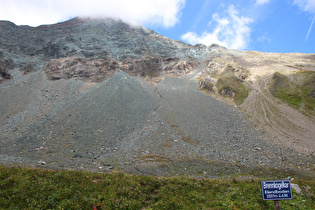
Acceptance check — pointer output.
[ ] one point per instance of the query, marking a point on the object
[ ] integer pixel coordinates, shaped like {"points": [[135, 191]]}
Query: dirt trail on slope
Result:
{"points": [[283, 125]]}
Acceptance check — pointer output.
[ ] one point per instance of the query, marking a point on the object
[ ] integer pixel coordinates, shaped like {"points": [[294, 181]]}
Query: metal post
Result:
{"points": [[277, 205]]}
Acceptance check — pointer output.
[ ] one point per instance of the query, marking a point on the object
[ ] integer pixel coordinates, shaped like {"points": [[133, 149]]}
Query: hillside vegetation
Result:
{"points": [[297, 90], [23, 188]]}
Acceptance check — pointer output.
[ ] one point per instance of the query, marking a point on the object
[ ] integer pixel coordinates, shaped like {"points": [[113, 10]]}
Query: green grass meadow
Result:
{"points": [[298, 92], [24, 188]]}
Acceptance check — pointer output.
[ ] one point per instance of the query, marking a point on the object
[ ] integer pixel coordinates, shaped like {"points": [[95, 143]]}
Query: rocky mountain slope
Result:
{"points": [[99, 94]]}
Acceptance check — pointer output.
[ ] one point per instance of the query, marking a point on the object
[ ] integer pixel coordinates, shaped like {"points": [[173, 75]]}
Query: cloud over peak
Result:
{"points": [[230, 30], [164, 13]]}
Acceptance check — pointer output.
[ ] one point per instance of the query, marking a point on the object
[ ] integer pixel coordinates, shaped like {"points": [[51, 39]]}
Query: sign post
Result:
{"points": [[276, 190]]}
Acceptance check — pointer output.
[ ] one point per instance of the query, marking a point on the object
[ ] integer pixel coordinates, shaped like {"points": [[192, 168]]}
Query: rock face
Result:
{"points": [[5, 66], [152, 68], [99, 94]]}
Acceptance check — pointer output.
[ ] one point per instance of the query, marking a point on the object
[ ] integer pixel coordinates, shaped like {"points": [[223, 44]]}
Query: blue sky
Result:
{"points": [[272, 26], [261, 25]]}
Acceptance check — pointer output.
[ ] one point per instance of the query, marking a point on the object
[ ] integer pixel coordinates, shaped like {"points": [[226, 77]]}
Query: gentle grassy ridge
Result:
{"points": [[48, 189], [299, 92]]}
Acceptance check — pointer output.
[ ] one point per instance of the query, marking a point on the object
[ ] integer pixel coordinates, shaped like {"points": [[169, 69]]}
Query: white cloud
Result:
{"points": [[231, 30], [259, 2], [306, 5], [36, 12]]}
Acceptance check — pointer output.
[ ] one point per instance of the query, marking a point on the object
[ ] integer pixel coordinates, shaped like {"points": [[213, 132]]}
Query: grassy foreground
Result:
{"points": [[22, 188]]}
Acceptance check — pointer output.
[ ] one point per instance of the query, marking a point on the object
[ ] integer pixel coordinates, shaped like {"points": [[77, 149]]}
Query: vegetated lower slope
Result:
{"points": [[101, 95], [46, 189], [299, 93], [276, 91]]}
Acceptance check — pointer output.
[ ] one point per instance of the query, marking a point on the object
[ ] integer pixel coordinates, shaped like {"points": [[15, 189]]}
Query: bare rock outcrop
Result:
{"points": [[5, 66], [226, 77], [152, 68]]}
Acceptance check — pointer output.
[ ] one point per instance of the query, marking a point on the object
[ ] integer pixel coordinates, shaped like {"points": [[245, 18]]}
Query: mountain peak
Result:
{"points": [[88, 93]]}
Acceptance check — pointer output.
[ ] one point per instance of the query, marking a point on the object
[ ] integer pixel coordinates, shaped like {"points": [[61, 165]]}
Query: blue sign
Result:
{"points": [[276, 190]]}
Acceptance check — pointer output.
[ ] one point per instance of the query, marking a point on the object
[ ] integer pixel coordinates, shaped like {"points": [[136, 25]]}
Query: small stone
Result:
{"points": [[296, 188], [78, 156], [257, 148], [42, 162]]}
